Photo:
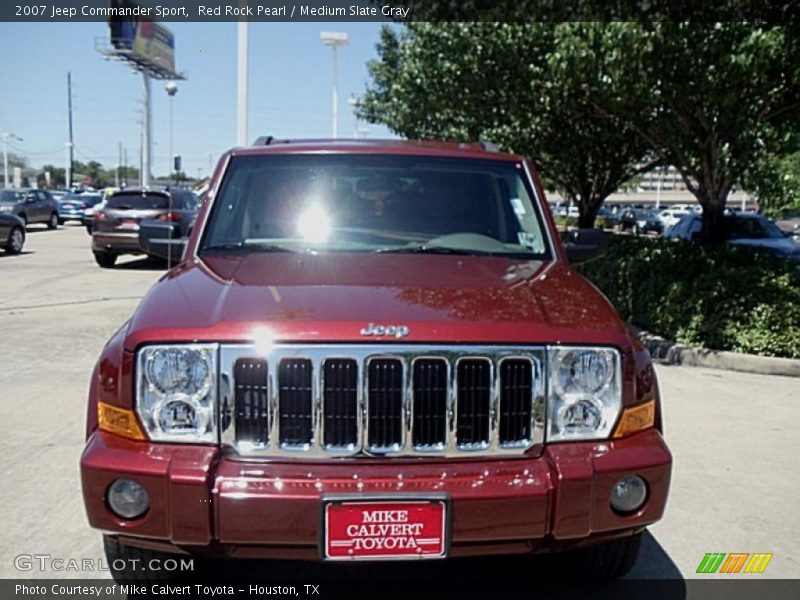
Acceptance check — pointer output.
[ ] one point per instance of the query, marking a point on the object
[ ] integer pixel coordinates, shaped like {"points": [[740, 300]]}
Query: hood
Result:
{"points": [[332, 297]]}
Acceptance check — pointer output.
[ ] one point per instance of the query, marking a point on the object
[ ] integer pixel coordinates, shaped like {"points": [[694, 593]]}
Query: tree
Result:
{"points": [[57, 176], [719, 98], [775, 180], [507, 82]]}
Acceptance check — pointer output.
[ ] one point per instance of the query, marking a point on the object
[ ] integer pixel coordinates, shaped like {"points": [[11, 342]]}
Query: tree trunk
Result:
{"points": [[713, 217], [588, 208]]}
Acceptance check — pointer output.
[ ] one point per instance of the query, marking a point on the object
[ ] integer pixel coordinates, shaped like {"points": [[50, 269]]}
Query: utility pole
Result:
{"points": [[125, 163], [241, 78], [334, 39], [146, 130], [172, 89], [119, 163], [70, 140], [141, 155], [6, 136]]}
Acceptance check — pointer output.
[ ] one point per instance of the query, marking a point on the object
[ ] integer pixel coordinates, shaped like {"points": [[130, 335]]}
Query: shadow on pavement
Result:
{"points": [[146, 263], [655, 577]]}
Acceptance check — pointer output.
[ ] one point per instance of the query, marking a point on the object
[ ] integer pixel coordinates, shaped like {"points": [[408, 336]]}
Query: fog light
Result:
{"points": [[128, 499], [628, 494]]}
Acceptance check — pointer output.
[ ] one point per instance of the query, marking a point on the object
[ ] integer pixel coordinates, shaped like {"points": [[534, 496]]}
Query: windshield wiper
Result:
{"points": [[248, 247], [423, 249]]}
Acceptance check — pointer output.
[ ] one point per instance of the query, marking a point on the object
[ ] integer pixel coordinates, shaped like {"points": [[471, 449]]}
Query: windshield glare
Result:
{"points": [[375, 203]]}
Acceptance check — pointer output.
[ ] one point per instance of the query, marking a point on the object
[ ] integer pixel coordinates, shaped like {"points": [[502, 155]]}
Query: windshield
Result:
{"points": [[752, 228], [7, 197], [138, 201], [375, 203]]}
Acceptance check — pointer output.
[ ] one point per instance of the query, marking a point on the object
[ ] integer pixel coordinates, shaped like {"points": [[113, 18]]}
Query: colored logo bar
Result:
{"points": [[735, 562]]}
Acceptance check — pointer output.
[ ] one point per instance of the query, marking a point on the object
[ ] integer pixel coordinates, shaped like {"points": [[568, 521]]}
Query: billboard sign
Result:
{"points": [[141, 39]]}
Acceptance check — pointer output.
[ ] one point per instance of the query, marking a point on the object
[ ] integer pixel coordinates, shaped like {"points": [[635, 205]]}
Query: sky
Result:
{"points": [[289, 90]]}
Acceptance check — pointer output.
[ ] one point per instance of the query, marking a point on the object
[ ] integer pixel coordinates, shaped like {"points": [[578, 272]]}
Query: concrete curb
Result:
{"points": [[672, 353]]}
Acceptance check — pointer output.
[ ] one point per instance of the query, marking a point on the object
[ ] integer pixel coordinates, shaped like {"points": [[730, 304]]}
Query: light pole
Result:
{"points": [[241, 79], [334, 39], [355, 103], [172, 88], [7, 136]]}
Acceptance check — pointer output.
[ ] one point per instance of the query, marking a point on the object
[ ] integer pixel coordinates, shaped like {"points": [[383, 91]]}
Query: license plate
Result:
{"points": [[130, 225], [368, 530]]}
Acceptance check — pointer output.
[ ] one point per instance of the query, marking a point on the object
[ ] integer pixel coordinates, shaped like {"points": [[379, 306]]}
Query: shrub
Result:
{"points": [[724, 298]]}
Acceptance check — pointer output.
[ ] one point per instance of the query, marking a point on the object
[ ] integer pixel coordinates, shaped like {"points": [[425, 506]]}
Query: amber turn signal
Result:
{"points": [[636, 418], [120, 421]]}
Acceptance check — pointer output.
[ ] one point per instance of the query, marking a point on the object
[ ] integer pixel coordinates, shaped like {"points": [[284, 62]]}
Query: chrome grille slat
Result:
{"points": [[385, 405], [516, 379], [340, 403], [251, 408], [473, 403], [295, 403], [318, 401], [429, 398]]}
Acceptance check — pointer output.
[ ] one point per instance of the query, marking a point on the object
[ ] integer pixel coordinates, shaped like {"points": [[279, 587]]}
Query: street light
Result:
{"points": [[7, 136], [172, 88], [334, 39]]}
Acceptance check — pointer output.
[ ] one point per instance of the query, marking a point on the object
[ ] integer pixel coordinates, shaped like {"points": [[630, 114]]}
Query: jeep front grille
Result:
{"points": [[381, 400]]}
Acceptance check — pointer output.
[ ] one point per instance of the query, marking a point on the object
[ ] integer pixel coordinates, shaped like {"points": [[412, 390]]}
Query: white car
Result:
{"points": [[670, 216]]}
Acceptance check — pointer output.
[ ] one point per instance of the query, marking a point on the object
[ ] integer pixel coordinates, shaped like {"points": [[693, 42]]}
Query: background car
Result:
{"points": [[32, 206], [73, 206], [58, 195], [88, 213], [670, 216], [116, 226], [609, 217], [12, 233], [741, 229], [639, 220]]}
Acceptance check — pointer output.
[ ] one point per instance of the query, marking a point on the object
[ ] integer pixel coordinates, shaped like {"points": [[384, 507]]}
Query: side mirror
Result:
{"points": [[585, 244]]}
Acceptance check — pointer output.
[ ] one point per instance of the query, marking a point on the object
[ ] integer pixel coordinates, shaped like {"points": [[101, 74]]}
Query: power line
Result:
{"points": [[56, 149]]}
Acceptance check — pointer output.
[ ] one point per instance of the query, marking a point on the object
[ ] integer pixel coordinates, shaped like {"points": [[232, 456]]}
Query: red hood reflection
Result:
{"points": [[331, 297]]}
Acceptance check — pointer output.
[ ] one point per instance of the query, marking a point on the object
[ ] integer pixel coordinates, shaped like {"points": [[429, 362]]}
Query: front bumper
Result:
{"points": [[206, 502]]}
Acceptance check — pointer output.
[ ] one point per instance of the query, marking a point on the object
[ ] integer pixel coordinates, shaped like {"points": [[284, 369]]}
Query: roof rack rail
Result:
{"points": [[266, 140]]}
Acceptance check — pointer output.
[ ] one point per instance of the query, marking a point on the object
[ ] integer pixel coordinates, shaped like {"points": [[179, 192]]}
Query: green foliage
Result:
{"points": [[719, 97], [724, 298], [528, 87], [591, 101], [776, 181]]}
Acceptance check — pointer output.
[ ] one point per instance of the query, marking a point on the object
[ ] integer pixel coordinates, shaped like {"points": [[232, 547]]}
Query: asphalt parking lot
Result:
{"points": [[734, 436]]}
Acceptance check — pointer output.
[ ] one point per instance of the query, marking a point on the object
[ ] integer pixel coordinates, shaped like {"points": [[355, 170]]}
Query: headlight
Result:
{"points": [[176, 392], [585, 394], [6, 207]]}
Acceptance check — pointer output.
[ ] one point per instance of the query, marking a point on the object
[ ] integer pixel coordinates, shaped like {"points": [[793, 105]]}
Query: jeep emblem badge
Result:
{"points": [[397, 331]]}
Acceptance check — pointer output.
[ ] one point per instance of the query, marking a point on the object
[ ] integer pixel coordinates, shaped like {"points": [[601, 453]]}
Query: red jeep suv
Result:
{"points": [[375, 350]]}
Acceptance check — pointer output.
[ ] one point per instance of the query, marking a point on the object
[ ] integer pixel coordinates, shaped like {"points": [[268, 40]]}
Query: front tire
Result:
{"points": [[603, 562], [105, 259], [16, 240], [52, 222], [128, 564]]}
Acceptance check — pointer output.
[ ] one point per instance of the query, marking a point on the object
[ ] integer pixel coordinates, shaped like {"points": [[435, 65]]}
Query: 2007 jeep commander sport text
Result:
{"points": [[375, 350]]}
